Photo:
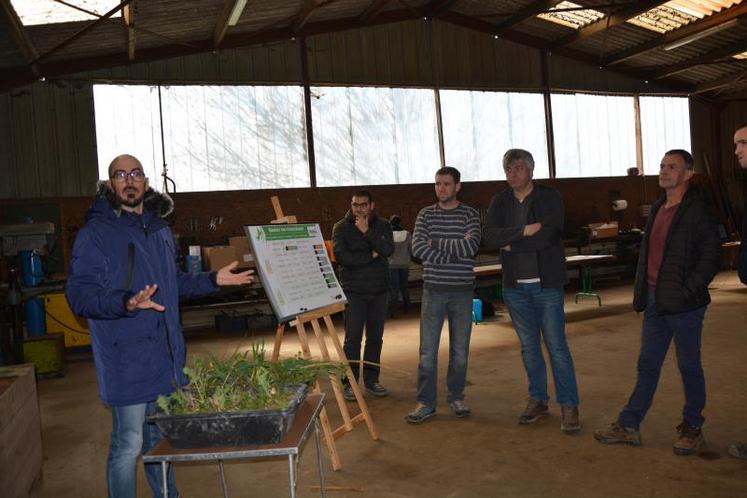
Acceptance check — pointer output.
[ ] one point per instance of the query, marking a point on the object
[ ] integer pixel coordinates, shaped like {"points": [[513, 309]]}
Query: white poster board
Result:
{"points": [[294, 267]]}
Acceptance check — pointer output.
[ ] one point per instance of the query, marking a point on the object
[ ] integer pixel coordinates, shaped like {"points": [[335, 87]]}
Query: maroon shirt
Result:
{"points": [[657, 240]]}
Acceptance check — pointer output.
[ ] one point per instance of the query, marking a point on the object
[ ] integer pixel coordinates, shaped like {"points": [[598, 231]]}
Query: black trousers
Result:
{"points": [[398, 278], [365, 311]]}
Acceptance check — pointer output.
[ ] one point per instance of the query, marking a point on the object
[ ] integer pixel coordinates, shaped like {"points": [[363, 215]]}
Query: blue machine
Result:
{"points": [[32, 275]]}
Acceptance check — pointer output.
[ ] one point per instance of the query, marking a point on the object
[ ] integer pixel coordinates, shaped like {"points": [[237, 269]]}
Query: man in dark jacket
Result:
{"points": [[525, 222], [362, 242], [739, 450], [138, 346], [680, 255]]}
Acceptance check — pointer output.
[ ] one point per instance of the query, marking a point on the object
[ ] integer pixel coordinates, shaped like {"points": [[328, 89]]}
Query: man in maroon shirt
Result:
{"points": [[739, 450], [680, 255]]}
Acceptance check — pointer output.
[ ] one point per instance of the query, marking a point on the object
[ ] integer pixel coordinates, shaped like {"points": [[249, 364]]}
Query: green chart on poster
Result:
{"points": [[294, 267]]}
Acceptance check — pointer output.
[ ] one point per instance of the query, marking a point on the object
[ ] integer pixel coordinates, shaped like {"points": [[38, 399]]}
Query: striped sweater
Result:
{"points": [[439, 242]]}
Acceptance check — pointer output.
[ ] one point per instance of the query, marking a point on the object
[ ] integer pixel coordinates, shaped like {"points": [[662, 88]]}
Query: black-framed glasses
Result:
{"points": [[136, 175]]}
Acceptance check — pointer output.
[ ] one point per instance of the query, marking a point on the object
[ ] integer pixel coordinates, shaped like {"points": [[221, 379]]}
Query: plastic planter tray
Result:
{"points": [[230, 428]]}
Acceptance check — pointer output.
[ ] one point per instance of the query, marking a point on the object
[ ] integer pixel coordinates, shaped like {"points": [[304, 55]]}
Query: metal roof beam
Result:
{"points": [[128, 17], [528, 12], [712, 56], [18, 32], [82, 31], [734, 12], [436, 8], [373, 10], [619, 17]]}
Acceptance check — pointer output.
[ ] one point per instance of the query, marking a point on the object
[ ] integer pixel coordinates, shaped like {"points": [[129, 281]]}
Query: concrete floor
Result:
{"points": [[486, 455]]}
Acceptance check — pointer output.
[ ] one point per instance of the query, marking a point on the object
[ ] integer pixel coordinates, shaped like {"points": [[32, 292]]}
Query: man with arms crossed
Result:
{"points": [[446, 239], [526, 222]]}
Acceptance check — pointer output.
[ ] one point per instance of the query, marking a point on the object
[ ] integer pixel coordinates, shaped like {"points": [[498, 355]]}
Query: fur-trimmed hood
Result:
{"points": [[160, 203]]}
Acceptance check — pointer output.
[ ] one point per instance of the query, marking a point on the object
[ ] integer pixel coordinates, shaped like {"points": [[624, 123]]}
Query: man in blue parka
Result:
{"points": [[124, 278]]}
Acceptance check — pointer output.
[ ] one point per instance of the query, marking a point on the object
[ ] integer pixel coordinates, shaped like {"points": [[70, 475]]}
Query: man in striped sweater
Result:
{"points": [[446, 239]]}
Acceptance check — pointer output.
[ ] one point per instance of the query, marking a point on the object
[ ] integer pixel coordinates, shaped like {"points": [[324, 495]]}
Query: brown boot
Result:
{"points": [[690, 441], [534, 411], [617, 434], [569, 422]]}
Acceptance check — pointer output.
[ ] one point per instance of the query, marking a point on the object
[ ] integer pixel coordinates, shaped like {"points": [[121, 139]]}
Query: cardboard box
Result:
{"points": [[243, 251], [603, 230], [216, 257]]}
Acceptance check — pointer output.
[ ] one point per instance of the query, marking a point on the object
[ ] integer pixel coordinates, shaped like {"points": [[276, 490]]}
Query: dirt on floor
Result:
{"points": [[485, 455]]}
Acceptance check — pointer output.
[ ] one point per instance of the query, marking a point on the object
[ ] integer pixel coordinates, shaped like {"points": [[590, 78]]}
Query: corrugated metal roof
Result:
{"points": [[572, 18], [677, 13]]}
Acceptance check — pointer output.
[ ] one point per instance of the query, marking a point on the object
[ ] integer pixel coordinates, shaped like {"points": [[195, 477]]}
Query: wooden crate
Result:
{"points": [[20, 431]]}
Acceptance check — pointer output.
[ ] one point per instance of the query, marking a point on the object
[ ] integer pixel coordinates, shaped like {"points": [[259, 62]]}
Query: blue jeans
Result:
{"points": [[131, 436], [457, 307], [537, 313], [656, 335]]}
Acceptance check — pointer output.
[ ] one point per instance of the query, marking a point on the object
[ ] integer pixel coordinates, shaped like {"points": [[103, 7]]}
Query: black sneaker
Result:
{"points": [[376, 389], [347, 393]]}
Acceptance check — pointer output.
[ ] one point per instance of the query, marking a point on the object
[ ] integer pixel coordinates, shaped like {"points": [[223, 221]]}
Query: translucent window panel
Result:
{"points": [[374, 136], [216, 137], [127, 122], [665, 125], [594, 135], [479, 127], [235, 137]]}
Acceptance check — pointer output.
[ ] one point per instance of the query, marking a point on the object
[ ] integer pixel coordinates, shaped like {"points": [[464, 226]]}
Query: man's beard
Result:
{"points": [[130, 199]]}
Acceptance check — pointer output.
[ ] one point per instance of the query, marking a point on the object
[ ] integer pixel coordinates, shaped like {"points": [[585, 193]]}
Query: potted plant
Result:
{"points": [[242, 399]]}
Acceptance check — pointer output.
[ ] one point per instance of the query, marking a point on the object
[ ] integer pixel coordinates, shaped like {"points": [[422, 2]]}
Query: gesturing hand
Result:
{"points": [[226, 277], [142, 300]]}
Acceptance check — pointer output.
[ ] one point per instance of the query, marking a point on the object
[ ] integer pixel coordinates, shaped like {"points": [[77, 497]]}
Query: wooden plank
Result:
{"points": [[396, 56], [527, 12], [24, 138], [88, 171], [7, 187], [373, 10], [46, 141], [410, 54], [66, 147], [128, 17]]}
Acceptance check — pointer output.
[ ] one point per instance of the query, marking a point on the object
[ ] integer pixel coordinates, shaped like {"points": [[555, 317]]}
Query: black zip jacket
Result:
{"points": [[360, 272], [546, 207], [692, 257]]}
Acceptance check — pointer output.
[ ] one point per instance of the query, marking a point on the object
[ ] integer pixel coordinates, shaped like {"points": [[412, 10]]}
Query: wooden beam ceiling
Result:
{"points": [[18, 31], [438, 7], [619, 17], [307, 9], [128, 18], [730, 80], [709, 57], [540, 43], [82, 31], [734, 12], [221, 27], [531, 10], [373, 10]]}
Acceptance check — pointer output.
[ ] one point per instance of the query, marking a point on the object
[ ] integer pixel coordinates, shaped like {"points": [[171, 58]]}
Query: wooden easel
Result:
{"points": [[313, 317]]}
